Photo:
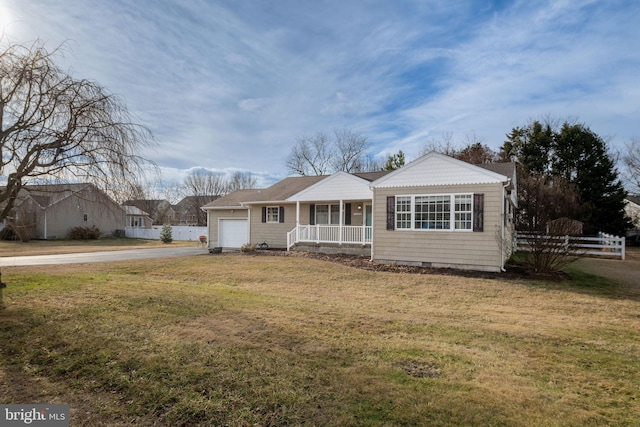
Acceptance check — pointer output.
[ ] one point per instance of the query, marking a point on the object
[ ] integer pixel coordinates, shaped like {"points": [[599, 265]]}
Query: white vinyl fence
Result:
{"points": [[178, 232], [601, 245]]}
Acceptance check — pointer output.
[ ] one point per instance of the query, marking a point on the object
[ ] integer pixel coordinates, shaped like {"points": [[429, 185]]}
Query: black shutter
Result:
{"points": [[312, 214], [347, 214], [281, 214], [478, 212], [264, 214], [391, 212]]}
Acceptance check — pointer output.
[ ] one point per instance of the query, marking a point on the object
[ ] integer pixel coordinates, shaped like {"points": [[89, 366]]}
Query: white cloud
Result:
{"points": [[231, 84]]}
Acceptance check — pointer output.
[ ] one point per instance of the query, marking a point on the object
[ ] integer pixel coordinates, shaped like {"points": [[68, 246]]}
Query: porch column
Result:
{"points": [[340, 228], [298, 221]]}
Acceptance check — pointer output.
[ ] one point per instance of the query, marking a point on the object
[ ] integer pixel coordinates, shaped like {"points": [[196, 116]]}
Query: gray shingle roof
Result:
{"points": [[507, 168]]}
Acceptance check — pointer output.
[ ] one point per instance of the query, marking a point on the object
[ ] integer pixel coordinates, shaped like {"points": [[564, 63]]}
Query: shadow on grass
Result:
{"points": [[590, 284]]}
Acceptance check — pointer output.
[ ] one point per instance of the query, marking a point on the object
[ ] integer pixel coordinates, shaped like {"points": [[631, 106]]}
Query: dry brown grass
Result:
{"points": [[245, 340]]}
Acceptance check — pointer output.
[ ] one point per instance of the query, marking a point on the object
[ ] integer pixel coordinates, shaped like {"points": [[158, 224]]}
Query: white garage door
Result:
{"points": [[232, 233]]}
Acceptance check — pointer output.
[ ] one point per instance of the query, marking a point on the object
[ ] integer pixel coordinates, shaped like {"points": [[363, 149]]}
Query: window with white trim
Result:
{"points": [[327, 214], [434, 212], [463, 211], [403, 212], [273, 213]]}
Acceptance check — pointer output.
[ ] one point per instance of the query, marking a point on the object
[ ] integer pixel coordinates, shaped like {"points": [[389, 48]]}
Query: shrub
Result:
{"points": [[165, 234], [84, 233], [248, 248]]}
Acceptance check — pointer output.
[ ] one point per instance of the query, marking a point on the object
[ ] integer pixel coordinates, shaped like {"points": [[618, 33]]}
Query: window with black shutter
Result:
{"points": [[391, 212], [478, 212]]}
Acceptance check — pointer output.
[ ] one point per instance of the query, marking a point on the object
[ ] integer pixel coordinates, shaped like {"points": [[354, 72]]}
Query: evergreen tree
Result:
{"points": [[531, 146], [166, 234], [579, 156], [395, 161]]}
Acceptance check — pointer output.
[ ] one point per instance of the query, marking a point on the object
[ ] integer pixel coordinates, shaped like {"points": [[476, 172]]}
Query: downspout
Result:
{"points": [[504, 218], [45, 224], [206, 211]]}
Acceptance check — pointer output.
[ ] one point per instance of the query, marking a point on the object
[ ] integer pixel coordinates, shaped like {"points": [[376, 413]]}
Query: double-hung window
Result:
{"points": [[403, 212], [273, 214], [463, 211], [327, 214], [434, 212]]}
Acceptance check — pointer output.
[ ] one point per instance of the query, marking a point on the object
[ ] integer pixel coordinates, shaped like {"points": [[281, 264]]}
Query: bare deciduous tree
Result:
{"points": [[323, 154], [349, 148], [241, 181], [631, 160], [310, 155], [546, 205], [57, 127], [202, 182]]}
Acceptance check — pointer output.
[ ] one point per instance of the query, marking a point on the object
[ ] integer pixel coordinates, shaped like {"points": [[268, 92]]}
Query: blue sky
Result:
{"points": [[230, 85]]}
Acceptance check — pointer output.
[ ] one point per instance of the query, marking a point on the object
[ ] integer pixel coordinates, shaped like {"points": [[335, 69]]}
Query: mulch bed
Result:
{"points": [[513, 272]]}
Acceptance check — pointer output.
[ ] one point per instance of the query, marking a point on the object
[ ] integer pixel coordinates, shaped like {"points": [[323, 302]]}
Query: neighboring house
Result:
{"points": [[51, 211], [160, 211], [436, 211], [136, 218], [188, 211]]}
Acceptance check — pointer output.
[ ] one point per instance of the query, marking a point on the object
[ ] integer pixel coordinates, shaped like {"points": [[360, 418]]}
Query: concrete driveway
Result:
{"points": [[105, 256]]}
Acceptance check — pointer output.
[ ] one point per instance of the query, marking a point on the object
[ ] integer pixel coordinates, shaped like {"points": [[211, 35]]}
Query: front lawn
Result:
{"points": [[258, 340]]}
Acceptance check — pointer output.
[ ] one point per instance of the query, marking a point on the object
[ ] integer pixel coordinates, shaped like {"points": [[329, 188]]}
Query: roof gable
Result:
{"points": [[339, 186], [438, 169]]}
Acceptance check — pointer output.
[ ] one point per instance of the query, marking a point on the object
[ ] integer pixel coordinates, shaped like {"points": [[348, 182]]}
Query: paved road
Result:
{"points": [[104, 256]]}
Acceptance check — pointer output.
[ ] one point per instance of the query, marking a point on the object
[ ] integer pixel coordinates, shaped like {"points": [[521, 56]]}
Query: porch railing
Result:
{"points": [[352, 234]]}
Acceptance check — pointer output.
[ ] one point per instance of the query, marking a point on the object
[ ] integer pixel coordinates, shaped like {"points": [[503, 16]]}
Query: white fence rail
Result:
{"points": [[601, 245], [178, 232], [352, 234]]}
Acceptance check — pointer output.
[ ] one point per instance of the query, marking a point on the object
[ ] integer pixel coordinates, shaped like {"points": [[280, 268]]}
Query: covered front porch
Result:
{"points": [[336, 211]]}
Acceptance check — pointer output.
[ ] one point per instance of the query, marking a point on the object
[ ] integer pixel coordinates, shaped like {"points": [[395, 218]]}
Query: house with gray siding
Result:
{"points": [[51, 211]]}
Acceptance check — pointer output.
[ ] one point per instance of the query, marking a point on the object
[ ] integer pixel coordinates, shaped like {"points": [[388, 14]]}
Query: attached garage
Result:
{"points": [[232, 233]]}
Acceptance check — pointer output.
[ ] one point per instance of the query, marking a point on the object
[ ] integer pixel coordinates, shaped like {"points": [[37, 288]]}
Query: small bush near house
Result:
{"points": [[165, 234], [84, 233], [248, 248]]}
